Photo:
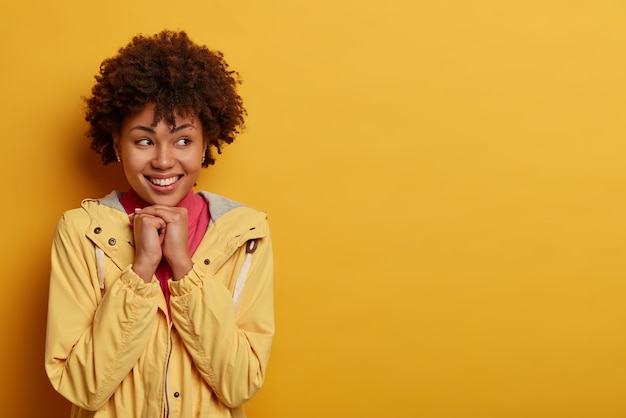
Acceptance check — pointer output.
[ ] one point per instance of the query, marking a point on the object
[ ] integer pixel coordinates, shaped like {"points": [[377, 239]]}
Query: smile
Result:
{"points": [[164, 182]]}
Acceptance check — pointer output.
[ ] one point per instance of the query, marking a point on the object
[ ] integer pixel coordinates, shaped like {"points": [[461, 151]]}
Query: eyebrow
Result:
{"points": [[152, 131]]}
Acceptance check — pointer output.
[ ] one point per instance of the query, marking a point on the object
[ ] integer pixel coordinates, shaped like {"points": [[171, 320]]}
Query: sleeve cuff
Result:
{"points": [[192, 280], [132, 281]]}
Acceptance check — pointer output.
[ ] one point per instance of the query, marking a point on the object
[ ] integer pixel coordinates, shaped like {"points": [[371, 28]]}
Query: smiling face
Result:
{"points": [[161, 163]]}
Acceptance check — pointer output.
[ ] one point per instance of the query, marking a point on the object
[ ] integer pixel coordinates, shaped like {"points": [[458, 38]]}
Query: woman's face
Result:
{"points": [[161, 163]]}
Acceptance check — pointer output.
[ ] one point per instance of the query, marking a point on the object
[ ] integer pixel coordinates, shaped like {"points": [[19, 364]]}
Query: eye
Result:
{"points": [[144, 142], [183, 141]]}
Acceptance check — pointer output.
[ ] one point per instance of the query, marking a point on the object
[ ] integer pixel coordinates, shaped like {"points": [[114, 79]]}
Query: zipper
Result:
{"points": [[167, 367]]}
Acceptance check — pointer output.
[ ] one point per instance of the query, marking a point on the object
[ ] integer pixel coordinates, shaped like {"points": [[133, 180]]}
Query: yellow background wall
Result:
{"points": [[445, 182]]}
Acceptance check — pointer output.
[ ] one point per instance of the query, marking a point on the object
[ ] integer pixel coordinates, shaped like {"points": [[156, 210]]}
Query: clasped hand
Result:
{"points": [[160, 232]]}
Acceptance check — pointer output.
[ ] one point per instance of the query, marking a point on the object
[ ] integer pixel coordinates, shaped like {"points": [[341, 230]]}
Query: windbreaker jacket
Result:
{"points": [[111, 349]]}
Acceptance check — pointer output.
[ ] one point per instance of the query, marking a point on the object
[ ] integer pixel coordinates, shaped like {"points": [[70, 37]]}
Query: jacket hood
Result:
{"points": [[218, 205]]}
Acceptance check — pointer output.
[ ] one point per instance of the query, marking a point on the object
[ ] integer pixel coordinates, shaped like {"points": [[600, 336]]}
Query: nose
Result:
{"points": [[163, 157]]}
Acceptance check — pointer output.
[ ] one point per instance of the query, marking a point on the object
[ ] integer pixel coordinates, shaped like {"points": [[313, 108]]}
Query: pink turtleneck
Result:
{"points": [[198, 218]]}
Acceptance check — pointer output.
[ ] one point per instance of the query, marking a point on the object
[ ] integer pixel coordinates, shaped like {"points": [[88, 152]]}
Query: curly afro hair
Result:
{"points": [[175, 74]]}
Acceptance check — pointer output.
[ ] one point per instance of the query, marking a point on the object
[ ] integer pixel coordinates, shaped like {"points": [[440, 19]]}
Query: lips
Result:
{"points": [[164, 182]]}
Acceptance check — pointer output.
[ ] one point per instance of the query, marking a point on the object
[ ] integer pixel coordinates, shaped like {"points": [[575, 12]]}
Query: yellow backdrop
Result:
{"points": [[444, 180]]}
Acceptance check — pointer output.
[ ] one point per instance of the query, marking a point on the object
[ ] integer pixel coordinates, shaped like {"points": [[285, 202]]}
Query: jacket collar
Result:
{"points": [[232, 225]]}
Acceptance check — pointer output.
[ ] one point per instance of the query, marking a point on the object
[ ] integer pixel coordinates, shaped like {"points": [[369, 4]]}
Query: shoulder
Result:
{"points": [[107, 208], [74, 218]]}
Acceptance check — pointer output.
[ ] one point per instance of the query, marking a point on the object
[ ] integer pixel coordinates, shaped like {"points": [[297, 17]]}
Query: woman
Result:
{"points": [[161, 299]]}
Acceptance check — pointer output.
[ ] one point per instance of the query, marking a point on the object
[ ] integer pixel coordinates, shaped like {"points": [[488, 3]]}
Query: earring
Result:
{"points": [[119, 160]]}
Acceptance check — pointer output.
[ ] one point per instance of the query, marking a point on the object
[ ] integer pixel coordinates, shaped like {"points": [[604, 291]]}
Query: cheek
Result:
{"points": [[132, 168], [194, 160], [135, 160], [193, 166], [193, 170]]}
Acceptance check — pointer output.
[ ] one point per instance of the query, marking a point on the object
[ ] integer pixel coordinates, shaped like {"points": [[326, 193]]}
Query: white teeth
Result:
{"points": [[164, 182]]}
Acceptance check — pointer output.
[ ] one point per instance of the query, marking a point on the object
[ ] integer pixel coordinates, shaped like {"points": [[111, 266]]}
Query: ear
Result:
{"points": [[116, 144]]}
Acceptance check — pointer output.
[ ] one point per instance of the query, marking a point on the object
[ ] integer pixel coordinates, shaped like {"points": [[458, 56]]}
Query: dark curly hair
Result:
{"points": [[175, 74]]}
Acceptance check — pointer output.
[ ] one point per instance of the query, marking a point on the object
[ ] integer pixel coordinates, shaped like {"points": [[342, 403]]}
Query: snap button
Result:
{"points": [[207, 261], [251, 247], [176, 394], [97, 230], [112, 241]]}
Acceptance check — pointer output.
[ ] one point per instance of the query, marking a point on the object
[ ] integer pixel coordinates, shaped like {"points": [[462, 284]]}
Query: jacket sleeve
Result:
{"points": [[231, 353], [92, 341]]}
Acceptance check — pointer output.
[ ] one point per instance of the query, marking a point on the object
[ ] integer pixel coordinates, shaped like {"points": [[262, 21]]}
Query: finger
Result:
{"points": [[167, 213], [149, 221]]}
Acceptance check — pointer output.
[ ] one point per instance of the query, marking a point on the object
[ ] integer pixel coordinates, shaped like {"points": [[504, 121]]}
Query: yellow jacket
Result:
{"points": [[110, 348]]}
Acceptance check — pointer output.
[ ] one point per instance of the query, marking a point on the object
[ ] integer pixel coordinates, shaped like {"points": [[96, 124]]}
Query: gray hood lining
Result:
{"points": [[218, 205]]}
